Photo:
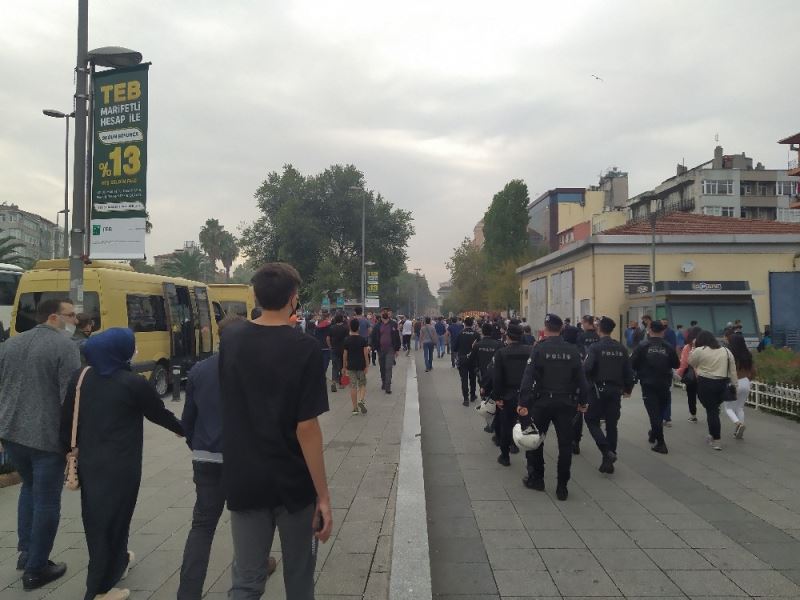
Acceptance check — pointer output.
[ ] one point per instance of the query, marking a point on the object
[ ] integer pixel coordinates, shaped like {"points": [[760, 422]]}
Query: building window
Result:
{"points": [[719, 211], [718, 187], [746, 189], [785, 188], [789, 215], [763, 189]]}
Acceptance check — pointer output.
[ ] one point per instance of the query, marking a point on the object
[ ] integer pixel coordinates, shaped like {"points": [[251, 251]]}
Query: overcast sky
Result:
{"points": [[438, 103]]}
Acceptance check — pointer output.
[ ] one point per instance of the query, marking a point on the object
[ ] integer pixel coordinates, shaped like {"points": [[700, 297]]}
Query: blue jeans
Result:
{"points": [[39, 507], [441, 346], [427, 350]]}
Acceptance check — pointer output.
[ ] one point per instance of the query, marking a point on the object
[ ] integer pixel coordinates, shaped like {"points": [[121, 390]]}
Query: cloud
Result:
{"points": [[440, 104]]}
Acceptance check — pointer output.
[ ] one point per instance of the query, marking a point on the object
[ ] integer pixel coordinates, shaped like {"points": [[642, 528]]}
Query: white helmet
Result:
{"points": [[487, 408], [528, 438]]}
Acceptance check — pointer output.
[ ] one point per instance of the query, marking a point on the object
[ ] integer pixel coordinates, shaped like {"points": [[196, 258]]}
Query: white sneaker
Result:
{"points": [[131, 558], [114, 594], [716, 445], [739, 431]]}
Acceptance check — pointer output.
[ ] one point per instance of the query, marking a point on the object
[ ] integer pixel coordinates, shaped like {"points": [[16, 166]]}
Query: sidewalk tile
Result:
{"points": [[705, 583], [644, 583], [764, 583], [525, 583]]}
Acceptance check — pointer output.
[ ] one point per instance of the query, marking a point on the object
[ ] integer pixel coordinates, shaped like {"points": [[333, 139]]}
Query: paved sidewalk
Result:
{"points": [[692, 524], [361, 456]]}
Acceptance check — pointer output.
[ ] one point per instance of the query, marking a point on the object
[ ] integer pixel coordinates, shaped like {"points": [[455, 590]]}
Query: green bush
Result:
{"points": [[778, 365]]}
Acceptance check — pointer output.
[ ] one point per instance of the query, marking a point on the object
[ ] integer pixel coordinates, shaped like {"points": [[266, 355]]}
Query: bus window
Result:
{"points": [[26, 310], [8, 288], [232, 307], [146, 313]]}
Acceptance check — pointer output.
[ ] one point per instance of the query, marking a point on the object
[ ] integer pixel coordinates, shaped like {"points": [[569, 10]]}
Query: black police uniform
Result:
{"points": [[466, 367], [608, 369], [509, 367], [585, 338], [653, 361], [570, 334], [483, 352], [552, 387]]}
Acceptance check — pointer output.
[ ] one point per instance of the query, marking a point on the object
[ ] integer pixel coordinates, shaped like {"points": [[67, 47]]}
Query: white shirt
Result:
{"points": [[408, 327]]}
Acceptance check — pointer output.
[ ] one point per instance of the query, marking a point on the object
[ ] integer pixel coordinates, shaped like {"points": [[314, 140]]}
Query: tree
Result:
{"points": [[140, 266], [189, 264], [228, 252], [211, 239], [505, 224], [314, 223], [8, 251], [468, 272], [402, 292], [242, 274]]}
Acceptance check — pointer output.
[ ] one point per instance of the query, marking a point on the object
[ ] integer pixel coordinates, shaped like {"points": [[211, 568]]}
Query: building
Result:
{"points": [[710, 269], [41, 238], [793, 165], [726, 186], [160, 260], [477, 235], [443, 292], [565, 215]]}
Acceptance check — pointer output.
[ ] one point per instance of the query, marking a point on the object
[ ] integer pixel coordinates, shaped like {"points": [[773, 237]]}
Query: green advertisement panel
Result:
{"points": [[119, 159], [373, 290]]}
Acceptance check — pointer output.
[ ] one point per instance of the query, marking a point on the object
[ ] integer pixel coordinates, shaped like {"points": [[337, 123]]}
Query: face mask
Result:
{"points": [[69, 329]]}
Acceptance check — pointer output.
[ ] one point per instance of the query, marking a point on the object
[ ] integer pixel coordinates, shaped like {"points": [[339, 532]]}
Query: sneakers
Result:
{"points": [[651, 439], [355, 412], [504, 460], [607, 466], [388, 391], [32, 580], [114, 594], [739, 433], [715, 444], [473, 398], [576, 447], [489, 428], [362, 407], [692, 419], [465, 402], [667, 423], [131, 558], [532, 483], [561, 492], [661, 448]]}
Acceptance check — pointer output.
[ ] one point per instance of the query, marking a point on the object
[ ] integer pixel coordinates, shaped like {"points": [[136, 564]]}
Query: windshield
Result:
{"points": [[8, 288]]}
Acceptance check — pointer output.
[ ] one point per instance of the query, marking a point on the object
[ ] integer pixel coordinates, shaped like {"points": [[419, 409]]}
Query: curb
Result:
{"points": [[410, 577]]}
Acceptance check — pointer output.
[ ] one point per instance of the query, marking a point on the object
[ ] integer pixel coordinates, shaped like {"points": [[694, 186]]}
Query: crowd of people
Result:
{"points": [[251, 410], [579, 374]]}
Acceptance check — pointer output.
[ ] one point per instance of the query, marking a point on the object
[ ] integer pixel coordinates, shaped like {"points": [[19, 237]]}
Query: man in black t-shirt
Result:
{"points": [[337, 334], [273, 389], [356, 362]]}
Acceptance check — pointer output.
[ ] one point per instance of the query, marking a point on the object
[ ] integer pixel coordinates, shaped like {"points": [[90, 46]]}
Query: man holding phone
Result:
{"points": [[273, 389]]}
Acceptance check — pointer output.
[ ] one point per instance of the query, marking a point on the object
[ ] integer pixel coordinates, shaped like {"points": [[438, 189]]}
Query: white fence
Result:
{"points": [[784, 399]]}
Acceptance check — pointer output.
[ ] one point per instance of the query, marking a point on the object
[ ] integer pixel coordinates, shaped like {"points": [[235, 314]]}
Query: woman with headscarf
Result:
{"points": [[113, 402]]}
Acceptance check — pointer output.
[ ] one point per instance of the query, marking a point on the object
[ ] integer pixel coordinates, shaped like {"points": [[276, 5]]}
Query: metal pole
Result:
{"points": [[363, 257], [66, 195], [78, 172], [653, 262], [87, 206]]}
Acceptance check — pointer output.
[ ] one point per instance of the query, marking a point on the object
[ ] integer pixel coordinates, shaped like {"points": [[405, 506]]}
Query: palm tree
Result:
{"points": [[189, 265], [8, 251], [212, 237], [229, 251]]}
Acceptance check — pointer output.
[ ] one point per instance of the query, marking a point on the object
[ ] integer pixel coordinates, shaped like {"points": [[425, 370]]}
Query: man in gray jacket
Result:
{"points": [[35, 368]]}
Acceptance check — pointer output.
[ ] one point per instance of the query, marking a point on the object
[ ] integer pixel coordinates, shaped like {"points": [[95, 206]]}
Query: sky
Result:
{"points": [[440, 104]]}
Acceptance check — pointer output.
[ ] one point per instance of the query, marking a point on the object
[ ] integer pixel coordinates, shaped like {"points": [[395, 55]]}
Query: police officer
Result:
{"points": [[553, 388], [462, 346], [608, 369], [509, 366], [586, 337], [653, 361], [483, 352]]}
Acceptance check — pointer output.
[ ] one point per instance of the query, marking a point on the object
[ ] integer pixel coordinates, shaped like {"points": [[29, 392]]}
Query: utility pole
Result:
{"points": [[653, 219], [78, 232], [416, 291]]}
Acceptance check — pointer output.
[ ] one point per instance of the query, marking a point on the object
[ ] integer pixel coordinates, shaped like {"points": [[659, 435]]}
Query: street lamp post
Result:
{"points": [[57, 114], [416, 292], [110, 56]]}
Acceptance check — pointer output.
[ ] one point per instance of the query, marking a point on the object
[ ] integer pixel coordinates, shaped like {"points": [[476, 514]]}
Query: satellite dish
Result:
{"points": [[687, 266]]}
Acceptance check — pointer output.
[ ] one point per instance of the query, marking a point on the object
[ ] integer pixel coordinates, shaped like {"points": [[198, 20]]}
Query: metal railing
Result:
{"points": [[780, 398]]}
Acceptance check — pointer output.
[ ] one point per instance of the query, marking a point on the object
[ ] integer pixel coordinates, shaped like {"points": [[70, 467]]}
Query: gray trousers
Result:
{"points": [[253, 531], [386, 363]]}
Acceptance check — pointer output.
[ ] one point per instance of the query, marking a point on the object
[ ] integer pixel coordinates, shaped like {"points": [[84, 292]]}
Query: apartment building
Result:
{"points": [[726, 186], [40, 237]]}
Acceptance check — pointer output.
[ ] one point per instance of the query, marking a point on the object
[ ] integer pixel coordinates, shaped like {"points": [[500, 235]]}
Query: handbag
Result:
{"points": [[729, 394], [71, 479], [344, 380]]}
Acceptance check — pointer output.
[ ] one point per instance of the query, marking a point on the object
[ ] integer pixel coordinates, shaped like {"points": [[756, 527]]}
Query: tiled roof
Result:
{"points": [[679, 223]]}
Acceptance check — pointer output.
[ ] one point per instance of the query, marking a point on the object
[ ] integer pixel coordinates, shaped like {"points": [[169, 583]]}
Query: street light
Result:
{"points": [[57, 114], [416, 292], [109, 56], [355, 188]]}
